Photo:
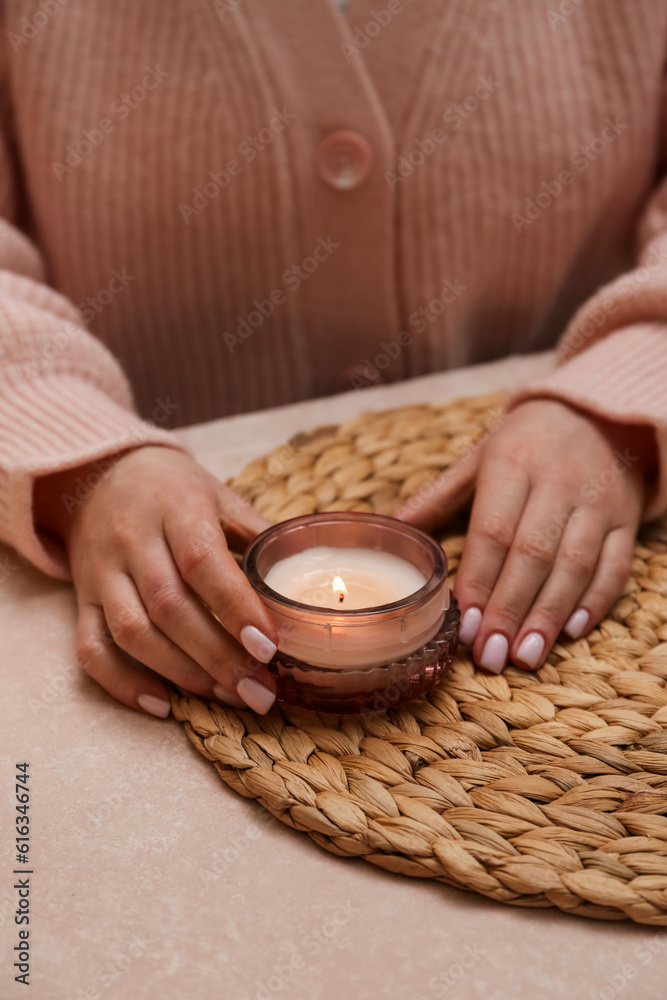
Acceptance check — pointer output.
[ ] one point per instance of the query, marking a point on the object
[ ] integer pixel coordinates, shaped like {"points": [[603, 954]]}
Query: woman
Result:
{"points": [[235, 204]]}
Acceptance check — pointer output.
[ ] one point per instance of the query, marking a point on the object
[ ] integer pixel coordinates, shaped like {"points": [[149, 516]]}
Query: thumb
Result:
{"points": [[238, 518], [434, 503]]}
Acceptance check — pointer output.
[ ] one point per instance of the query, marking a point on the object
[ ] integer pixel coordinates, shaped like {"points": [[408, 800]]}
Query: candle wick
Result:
{"points": [[341, 597]]}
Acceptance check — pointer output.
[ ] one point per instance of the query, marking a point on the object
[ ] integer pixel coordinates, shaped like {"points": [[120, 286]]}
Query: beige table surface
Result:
{"points": [[152, 879]]}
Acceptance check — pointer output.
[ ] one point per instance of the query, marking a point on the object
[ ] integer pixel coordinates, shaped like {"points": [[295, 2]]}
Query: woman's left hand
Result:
{"points": [[559, 495]]}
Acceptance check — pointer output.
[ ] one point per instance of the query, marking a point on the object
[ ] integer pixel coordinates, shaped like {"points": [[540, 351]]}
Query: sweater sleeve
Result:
{"points": [[613, 355], [64, 400]]}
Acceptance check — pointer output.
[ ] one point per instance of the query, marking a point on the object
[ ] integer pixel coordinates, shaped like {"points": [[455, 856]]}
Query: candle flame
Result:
{"points": [[339, 588]]}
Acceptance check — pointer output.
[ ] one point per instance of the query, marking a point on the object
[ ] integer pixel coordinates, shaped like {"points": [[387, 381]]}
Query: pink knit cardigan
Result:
{"points": [[181, 214]]}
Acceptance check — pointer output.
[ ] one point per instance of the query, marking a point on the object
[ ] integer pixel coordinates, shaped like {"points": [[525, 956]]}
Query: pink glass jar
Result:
{"points": [[338, 660]]}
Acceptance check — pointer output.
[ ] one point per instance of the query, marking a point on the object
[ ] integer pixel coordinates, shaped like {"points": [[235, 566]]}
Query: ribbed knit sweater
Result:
{"points": [[211, 207]]}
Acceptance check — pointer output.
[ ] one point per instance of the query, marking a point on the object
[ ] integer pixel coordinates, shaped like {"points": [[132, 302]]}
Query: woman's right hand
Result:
{"points": [[146, 547]]}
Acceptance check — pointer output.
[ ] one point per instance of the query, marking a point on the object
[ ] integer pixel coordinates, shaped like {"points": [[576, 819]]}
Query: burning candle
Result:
{"points": [[362, 607], [339, 588], [352, 578]]}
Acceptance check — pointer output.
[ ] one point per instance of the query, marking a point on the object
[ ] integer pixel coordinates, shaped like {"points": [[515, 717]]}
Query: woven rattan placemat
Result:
{"points": [[546, 789]]}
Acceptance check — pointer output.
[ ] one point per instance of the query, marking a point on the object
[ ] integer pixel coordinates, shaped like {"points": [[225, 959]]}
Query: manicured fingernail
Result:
{"points": [[470, 626], [577, 623], [228, 696], [531, 649], [257, 644], [255, 695], [156, 706], [494, 654]]}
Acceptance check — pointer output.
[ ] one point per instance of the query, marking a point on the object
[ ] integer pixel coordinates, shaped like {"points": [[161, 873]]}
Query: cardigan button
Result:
{"points": [[344, 159]]}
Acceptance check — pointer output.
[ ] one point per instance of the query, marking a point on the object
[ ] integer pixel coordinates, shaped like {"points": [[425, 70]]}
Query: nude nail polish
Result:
{"points": [[156, 706], [469, 628], [531, 649], [494, 654], [577, 623], [222, 694], [255, 695], [257, 644]]}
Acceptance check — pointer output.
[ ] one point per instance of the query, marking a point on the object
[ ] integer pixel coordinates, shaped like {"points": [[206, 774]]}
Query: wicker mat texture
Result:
{"points": [[545, 789]]}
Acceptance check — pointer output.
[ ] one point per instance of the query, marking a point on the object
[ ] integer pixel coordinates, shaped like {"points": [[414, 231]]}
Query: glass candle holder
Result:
{"points": [[341, 660]]}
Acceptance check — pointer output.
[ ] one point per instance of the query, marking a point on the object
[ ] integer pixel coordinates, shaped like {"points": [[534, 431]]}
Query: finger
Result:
{"points": [[502, 493], [573, 569], [434, 503], [198, 546], [610, 577], [529, 563], [101, 659], [132, 630], [238, 518], [179, 614]]}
